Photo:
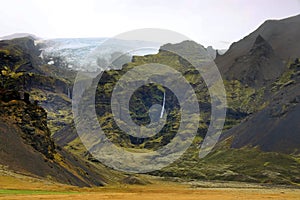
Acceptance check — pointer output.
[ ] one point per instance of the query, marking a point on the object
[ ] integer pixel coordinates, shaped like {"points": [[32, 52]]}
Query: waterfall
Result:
{"points": [[163, 106]]}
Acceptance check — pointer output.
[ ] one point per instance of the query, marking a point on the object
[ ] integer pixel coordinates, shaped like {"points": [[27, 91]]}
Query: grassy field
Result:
{"points": [[31, 192], [157, 192], [19, 187]]}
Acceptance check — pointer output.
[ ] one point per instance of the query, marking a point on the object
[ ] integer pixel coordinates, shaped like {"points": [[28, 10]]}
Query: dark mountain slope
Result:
{"points": [[26, 145], [283, 36], [270, 133], [275, 128], [258, 67], [21, 68]]}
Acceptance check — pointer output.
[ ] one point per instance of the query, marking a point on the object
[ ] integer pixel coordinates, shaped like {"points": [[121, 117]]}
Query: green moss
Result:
{"points": [[245, 164], [242, 97], [4, 51], [286, 78]]}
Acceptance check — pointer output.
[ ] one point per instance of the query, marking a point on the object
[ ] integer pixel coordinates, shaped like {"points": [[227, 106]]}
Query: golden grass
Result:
{"points": [[157, 190]]}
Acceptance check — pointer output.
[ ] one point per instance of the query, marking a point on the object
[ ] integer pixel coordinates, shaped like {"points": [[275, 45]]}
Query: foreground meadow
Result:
{"points": [[22, 187]]}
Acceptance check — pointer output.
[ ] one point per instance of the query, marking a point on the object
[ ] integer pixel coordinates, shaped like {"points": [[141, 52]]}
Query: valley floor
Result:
{"points": [[179, 193], [15, 186]]}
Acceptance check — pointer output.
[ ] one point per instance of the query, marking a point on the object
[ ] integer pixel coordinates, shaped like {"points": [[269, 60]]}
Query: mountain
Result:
{"points": [[19, 35], [282, 35], [26, 145], [258, 67], [20, 55], [260, 141], [27, 86], [227, 161], [269, 59], [23, 69], [261, 145], [275, 128]]}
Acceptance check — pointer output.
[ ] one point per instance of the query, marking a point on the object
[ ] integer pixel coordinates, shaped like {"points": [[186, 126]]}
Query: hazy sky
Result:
{"points": [[209, 22]]}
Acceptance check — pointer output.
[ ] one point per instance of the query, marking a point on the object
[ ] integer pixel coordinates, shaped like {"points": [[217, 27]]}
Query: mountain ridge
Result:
{"points": [[282, 35]]}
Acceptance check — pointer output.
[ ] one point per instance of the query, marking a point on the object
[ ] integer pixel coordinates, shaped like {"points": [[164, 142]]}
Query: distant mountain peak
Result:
{"points": [[261, 47], [282, 35], [190, 48], [258, 67], [19, 35], [259, 40]]}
